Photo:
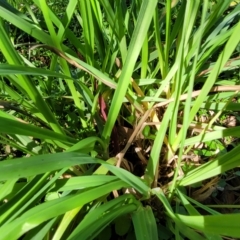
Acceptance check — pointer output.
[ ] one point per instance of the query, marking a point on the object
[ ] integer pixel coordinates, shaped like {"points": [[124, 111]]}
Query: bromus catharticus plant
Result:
{"points": [[101, 121]]}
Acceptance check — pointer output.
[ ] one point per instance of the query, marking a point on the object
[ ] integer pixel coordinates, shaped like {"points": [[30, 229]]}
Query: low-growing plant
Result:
{"points": [[112, 121]]}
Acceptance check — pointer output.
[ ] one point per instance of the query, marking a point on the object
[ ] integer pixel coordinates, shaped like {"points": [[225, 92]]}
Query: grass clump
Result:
{"points": [[114, 119]]}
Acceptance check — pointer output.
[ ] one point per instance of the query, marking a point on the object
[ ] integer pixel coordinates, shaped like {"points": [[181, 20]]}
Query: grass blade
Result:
{"points": [[144, 224], [140, 32]]}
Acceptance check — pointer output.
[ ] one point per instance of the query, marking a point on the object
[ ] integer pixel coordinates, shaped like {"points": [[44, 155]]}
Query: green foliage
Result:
{"points": [[113, 119]]}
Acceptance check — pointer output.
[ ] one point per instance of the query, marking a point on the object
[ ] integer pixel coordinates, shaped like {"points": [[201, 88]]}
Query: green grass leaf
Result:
{"points": [[57, 207], [25, 167], [227, 224], [144, 224], [140, 32]]}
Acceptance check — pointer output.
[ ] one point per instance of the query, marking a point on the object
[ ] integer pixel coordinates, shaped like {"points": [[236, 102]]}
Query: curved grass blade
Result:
{"points": [[57, 207], [7, 69], [22, 22], [31, 166], [217, 166], [227, 224], [222, 59], [188, 232], [29, 88], [100, 217], [129, 178], [30, 130], [210, 136], [86, 144], [145, 224], [76, 183], [140, 32]]}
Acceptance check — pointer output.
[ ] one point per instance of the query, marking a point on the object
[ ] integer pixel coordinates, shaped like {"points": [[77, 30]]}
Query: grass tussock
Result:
{"points": [[119, 119]]}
